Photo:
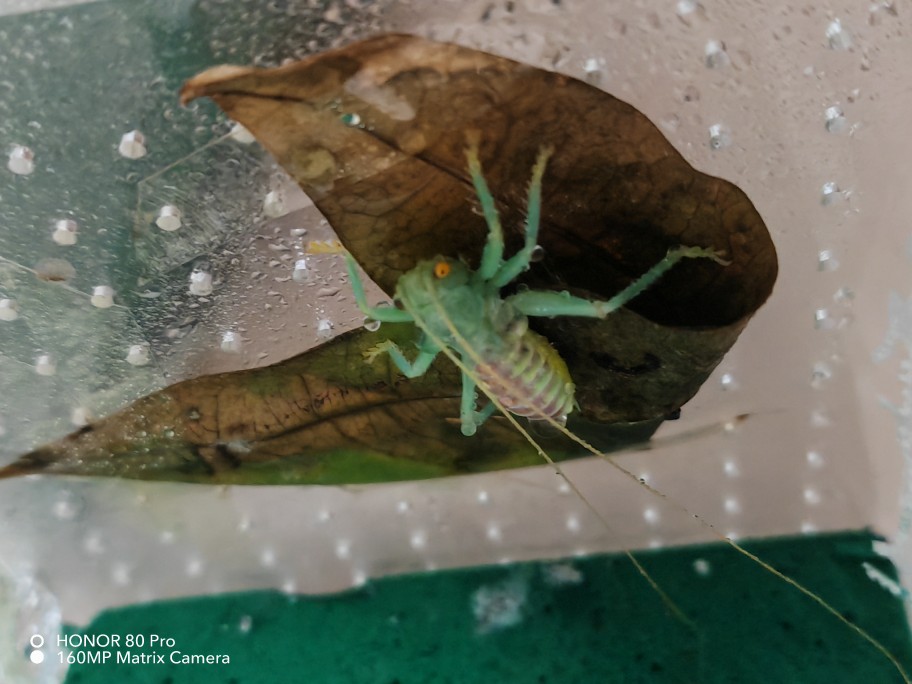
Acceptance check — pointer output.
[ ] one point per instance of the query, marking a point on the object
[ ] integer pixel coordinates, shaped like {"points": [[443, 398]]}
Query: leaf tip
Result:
{"points": [[208, 81]]}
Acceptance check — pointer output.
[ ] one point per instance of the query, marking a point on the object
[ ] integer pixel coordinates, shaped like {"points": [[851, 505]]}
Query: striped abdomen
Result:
{"points": [[530, 380]]}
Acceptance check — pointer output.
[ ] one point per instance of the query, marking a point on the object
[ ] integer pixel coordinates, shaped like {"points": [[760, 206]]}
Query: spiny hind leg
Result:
{"points": [[519, 262], [410, 369], [386, 314], [471, 419], [544, 303], [492, 256]]}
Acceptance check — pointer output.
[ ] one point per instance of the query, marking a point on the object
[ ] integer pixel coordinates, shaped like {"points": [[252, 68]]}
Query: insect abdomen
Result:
{"points": [[531, 380]]}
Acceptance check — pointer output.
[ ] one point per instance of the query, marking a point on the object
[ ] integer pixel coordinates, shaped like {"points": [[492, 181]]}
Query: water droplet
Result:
{"points": [[716, 56], [651, 515], [194, 567], [245, 624], [731, 468], [403, 506], [268, 558], [121, 574], [538, 253], [200, 283], [719, 137], [371, 325], [301, 273], [81, 416], [815, 459], [418, 540], [573, 524], [702, 567], [239, 133], [138, 355], [274, 204], [732, 505], [811, 496], [68, 506], [21, 160], [65, 232], [132, 145], [169, 218], [9, 309], [482, 496], [45, 365], [343, 549], [350, 119], [835, 120], [231, 342], [820, 374], [102, 297], [324, 328], [822, 320], [830, 194], [808, 527], [493, 533], [55, 270], [826, 261], [838, 37], [728, 382]]}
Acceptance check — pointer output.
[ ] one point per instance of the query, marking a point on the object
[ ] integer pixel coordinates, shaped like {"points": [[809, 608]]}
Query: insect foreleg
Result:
{"points": [[386, 314], [470, 418], [543, 303], [519, 262], [410, 369]]}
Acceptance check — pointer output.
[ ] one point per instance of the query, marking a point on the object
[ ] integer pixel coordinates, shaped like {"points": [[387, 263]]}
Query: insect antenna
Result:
{"points": [[560, 427]]}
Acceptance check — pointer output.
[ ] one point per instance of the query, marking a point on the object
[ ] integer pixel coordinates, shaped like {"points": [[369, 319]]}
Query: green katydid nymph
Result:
{"points": [[462, 309]]}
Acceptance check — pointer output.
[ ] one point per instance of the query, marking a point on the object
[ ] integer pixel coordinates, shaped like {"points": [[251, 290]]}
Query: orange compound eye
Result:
{"points": [[441, 269]]}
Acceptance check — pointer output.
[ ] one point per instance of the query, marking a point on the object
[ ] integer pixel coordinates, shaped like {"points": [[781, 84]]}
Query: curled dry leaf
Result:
{"points": [[375, 133]]}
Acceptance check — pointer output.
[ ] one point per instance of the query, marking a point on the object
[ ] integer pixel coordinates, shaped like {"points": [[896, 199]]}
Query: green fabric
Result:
{"points": [[610, 626]]}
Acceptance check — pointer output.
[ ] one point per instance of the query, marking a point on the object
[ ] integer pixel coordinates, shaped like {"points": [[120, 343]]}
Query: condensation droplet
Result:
{"points": [[231, 342], [731, 468], [343, 549], [65, 232], [245, 624], [830, 194], [820, 374], [169, 218], [68, 506], [301, 273], [808, 527], [21, 160], [731, 505], [9, 309], [844, 295], [651, 516], [239, 133], [728, 382], [573, 524], [716, 56], [194, 567], [811, 496], [350, 119], [102, 297], [324, 328], [482, 496], [80, 416], [403, 506], [838, 38], [45, 365], [815, 459], [822, 320], [493, 533], [200, 283], [55, 270], [702, 567], [418, 540], [132, 145], [274, 204], [826, 261], [719, 137], [835, 120], [138, 355]]}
